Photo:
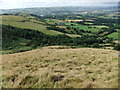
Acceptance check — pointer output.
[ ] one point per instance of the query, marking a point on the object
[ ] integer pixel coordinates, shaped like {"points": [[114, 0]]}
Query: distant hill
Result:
{"points": [[58, 10]]}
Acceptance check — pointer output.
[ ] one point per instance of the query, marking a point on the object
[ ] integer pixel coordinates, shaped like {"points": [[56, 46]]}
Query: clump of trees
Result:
{"points": [[96, 45], [56, 29]]}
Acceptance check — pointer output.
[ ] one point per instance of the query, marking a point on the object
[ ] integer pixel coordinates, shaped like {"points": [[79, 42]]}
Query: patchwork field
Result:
{"points": [[82, 27], [61, 67], [86, 28], [27, 23]]}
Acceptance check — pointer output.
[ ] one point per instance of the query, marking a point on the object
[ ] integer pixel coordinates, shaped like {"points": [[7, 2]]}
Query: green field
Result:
{"points": [[100, 26], [86, 28], [13, 18], [89, 23], [114, 35], [73, 35]]}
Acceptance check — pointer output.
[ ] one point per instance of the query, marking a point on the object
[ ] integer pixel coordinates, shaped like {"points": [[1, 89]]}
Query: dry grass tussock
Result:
{"points": [[55, 67]]}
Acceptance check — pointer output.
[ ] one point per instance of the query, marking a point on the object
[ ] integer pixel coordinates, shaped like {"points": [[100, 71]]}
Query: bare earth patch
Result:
{"points": [[55, 67]]}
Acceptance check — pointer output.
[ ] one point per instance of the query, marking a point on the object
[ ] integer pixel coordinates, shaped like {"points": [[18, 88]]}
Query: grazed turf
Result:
{"points": [[61, 67]]}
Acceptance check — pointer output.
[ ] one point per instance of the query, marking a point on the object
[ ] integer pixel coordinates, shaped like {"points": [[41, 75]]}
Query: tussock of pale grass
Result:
{"points": [[54, 67]]}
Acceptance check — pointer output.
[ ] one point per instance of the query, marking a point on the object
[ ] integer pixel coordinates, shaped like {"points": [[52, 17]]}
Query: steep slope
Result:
{"points": [[61, 67]]}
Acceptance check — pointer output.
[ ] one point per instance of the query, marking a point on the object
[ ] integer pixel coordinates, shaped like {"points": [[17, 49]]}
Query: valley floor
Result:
{"points": [[61, 67]]}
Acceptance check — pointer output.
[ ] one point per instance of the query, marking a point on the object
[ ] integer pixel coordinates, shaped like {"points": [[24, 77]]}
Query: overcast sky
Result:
{"points": [[11, 4]]}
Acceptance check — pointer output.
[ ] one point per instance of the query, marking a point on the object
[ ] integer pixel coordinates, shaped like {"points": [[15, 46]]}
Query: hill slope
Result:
{"points": [[61, 67], [26, 23]]}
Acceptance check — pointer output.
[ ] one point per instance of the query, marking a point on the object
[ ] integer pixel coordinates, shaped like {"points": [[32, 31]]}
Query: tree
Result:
{"points": [[117, 47]]}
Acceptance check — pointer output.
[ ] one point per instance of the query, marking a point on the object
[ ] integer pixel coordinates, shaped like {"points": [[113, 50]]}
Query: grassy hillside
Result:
{"points": [[61, 67], [23, 22], [13, 18]]}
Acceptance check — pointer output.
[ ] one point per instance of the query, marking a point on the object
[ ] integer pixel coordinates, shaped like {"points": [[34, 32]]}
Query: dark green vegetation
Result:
{"points": [[19, 40], [73, 26]]}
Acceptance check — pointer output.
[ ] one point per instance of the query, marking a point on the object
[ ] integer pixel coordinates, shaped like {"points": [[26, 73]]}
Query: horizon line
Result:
{"points": [[52, 7]]}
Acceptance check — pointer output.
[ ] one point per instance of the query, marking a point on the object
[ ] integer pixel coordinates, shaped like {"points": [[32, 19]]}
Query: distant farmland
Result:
{"points": [[26, 23]]}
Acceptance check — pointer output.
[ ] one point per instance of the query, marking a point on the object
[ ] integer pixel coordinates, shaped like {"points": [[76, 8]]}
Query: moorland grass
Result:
{"points": [[61, 68]]}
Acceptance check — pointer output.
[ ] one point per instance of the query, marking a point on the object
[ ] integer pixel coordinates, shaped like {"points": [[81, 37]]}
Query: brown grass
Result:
{"points": [[52, 67]]}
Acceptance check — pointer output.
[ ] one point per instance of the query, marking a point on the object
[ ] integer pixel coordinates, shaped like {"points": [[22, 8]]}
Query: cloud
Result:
{"points": [[10, 4], [1, 2]]}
